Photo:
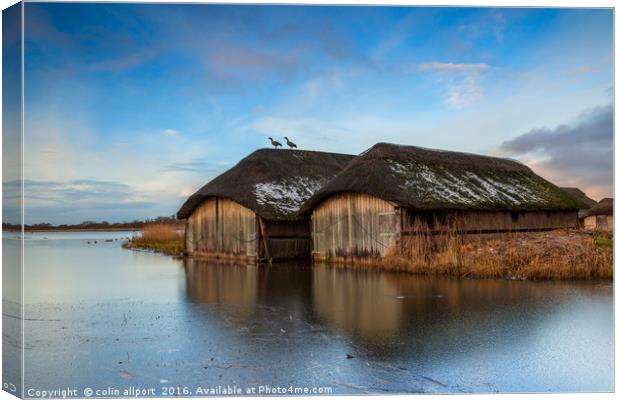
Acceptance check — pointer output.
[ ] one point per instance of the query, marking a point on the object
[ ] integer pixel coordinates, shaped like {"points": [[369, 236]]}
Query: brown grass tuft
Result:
{"points": [[166, 238], [554, 255]]}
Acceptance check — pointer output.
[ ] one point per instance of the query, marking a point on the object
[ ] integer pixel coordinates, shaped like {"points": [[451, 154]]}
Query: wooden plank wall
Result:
{"points": [[475, 221], [222, 226], [599, 222], [287, 240], [359, 226], [354, 225]]}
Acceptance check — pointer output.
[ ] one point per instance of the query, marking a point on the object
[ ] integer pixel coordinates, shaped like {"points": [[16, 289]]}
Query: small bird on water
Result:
{"points": [[290, 144], [275, 143]]}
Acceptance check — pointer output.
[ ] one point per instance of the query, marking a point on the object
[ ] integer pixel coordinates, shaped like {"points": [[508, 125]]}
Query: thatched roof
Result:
{"points": [[432, 179], [603, 207], [580, 196], [272, 183]]}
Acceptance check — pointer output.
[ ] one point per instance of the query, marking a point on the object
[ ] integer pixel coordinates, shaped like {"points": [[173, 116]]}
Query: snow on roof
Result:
{"points": [[272, 183], [288, 195], [436, 179]]}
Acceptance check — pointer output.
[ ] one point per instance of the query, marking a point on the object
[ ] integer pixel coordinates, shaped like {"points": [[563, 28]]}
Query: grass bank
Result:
{"points": [[554, 255], [164, 238]]}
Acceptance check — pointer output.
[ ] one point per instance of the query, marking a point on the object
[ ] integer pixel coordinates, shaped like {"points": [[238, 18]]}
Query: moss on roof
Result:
{"points": [[434, 179], [581, 197], [272, 183]]}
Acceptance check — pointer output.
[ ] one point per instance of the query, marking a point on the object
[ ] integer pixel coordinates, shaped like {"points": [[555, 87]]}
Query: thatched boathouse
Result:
{"points": [[251, 211], [601, 216], [392, 191]]}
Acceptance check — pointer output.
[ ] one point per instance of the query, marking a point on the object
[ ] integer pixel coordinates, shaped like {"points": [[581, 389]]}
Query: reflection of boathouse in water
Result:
{"points": [[368, 306], [287, 204]]}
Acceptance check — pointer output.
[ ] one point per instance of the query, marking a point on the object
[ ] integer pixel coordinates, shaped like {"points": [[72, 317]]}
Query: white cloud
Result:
{"points": [[170, 132], [462, 81], [491, 24], [453, 67], [584, 69], [67, 152], [315, 88], [466, 92]]}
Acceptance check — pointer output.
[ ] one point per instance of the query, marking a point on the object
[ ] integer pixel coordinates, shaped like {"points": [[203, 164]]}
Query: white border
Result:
{"points": [[444, 3]]}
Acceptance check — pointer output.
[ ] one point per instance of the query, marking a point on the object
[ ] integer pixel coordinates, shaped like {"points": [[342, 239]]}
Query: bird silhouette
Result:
{"points": [[275, 143], [290, 144]]}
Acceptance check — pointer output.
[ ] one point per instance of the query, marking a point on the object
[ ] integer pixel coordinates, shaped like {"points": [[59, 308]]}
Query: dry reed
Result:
{"points": [[551, 255], [160, 237]]}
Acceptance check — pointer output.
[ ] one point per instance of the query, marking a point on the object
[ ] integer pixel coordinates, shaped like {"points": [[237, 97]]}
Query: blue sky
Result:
{"points": [[129, 108]]}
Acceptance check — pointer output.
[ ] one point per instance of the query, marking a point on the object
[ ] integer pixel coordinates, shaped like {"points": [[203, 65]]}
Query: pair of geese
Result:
{"points": [[277, 144]]}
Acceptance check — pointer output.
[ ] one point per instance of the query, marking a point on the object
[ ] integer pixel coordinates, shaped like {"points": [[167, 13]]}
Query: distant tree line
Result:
{"points": [[85, 225]]}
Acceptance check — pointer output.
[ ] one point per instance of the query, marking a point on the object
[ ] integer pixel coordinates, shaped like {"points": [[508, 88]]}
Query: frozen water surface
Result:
{"points": [[99, 316]]}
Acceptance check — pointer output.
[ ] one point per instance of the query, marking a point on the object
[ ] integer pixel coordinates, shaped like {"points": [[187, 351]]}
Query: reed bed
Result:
{"points": [[165, 238], [553, 255]]}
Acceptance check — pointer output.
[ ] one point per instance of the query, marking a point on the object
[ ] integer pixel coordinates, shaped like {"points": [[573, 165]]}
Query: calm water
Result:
{"points": [[100, 316]]}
